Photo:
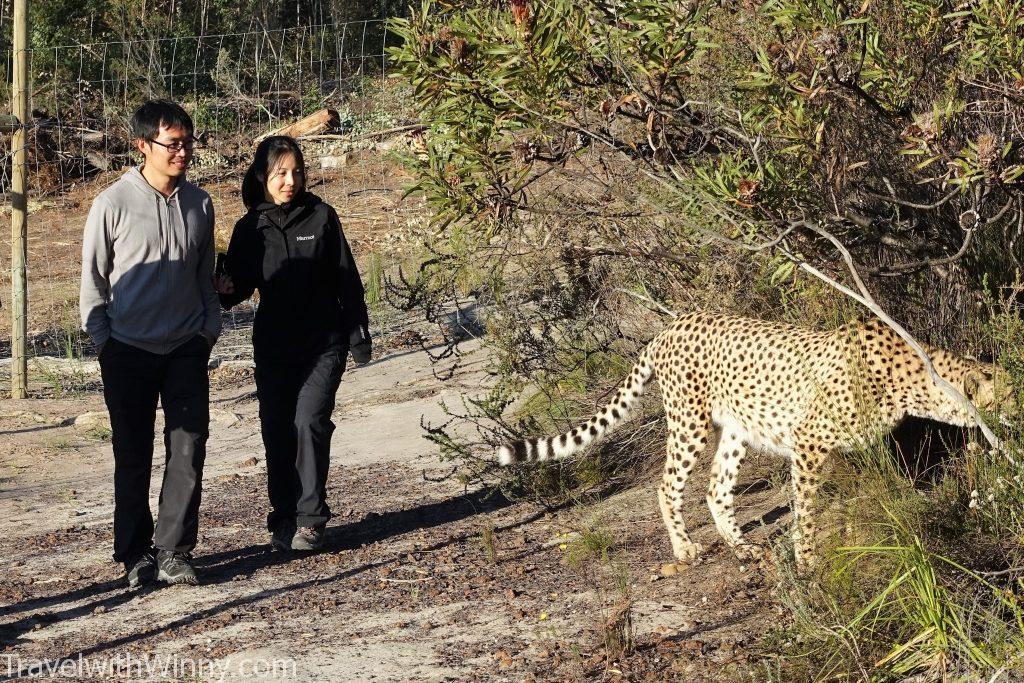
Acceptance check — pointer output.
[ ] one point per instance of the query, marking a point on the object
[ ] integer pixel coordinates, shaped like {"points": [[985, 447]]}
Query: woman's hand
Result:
{"points": [[223, 284]]}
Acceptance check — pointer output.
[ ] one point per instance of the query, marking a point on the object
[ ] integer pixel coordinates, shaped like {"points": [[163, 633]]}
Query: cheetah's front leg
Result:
{"points": [[806, 468]]}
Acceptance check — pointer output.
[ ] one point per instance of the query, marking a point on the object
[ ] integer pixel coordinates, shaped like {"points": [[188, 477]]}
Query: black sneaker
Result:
{"points": [[281, 538], [140, 570], [174, 567], [308, 538]]}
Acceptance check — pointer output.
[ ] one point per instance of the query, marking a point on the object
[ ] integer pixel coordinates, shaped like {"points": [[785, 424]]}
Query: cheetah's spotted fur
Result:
{"points": [[786, 389]]}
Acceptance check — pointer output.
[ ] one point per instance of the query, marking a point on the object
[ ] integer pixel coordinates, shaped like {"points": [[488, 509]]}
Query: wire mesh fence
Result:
{"points": [[236, 86]]}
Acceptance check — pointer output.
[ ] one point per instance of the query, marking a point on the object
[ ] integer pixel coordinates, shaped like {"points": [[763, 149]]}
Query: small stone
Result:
{"points": [[224, 418], [339, 161], [92, 420]]}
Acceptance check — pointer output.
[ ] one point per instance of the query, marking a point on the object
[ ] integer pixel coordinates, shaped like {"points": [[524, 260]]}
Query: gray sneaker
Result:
{"points": [[140, 570], [281, 538], [174, 567], [308, 538]]}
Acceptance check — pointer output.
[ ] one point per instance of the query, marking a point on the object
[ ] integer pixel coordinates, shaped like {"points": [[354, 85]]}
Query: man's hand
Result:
{"points": [[223, 284], [209, 338]]}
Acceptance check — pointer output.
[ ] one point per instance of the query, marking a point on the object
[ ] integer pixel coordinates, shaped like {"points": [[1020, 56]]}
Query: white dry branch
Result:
{"points": [[863, 297]]}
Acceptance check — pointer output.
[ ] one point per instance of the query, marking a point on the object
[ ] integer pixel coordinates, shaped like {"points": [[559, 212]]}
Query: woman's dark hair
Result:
{"points": [[268, 154]]}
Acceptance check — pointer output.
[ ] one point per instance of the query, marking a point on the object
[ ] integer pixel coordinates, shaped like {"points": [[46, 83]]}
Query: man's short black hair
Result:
{"points": [[148, 118]]}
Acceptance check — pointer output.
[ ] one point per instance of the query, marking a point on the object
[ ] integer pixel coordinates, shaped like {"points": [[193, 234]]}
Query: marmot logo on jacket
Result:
{"points": [[299, 238]]}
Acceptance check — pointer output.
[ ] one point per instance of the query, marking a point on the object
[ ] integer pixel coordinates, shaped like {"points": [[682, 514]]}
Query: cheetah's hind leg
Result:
{"points": [[687, 439]]}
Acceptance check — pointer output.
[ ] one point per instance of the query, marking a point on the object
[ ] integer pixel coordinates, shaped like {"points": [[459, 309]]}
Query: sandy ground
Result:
{"points": [[420, 580]]}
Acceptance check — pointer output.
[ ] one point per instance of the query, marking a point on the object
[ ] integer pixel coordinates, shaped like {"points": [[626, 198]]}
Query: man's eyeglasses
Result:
{"points": [[177, 146]]}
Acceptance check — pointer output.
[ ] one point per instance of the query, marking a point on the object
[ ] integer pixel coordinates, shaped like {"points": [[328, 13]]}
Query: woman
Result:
{"points": [[311, 314]]}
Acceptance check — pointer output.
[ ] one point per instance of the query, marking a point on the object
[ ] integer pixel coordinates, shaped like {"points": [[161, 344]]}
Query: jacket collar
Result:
{"points": [[284, 215], [135, 178]]}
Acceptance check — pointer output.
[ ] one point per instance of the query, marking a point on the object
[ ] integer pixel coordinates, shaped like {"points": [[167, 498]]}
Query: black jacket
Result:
{"points": [[311, 297]]}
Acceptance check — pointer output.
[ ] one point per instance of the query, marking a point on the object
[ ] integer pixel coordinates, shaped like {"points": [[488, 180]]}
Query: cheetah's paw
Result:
{"points": [[749, 552], [688, 552]]}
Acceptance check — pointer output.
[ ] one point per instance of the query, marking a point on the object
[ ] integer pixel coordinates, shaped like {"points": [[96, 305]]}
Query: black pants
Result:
{"points": [[133, 379], [296, 402]]}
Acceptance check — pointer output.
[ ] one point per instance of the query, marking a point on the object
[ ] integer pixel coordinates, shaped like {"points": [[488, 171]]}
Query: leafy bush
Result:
{"points": [[656, 128], [595, 165]]}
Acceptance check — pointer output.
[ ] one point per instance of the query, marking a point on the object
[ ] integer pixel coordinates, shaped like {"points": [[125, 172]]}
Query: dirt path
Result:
{"points": [[420, 580]]}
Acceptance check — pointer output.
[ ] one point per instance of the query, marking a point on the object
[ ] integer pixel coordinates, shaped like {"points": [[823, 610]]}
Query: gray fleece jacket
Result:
{"points": [[146, 266]]}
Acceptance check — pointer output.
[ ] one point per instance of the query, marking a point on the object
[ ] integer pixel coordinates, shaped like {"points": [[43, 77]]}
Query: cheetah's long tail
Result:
{"points": [[575, 440]]}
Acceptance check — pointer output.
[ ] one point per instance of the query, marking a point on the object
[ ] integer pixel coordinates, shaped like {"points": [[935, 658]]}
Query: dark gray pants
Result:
{"points": [[133, 379], [296, 402]]}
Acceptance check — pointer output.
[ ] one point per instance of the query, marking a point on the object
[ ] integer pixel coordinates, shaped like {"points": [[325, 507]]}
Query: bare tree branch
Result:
{"points": [[863, 296]]}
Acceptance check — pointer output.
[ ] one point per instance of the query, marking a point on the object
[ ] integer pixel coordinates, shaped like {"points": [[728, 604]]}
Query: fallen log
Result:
{"points": [[315, 123]]}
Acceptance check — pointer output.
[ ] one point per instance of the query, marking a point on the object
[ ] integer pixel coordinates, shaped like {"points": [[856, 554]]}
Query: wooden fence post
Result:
{"points": [[19, 204]]}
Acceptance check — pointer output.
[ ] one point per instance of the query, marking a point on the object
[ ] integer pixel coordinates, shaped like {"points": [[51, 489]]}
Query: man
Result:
{"points": [[148, 303]]}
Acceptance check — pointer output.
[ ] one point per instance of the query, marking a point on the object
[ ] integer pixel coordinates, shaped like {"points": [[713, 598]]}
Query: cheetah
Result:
{"points": [[803, 394]]}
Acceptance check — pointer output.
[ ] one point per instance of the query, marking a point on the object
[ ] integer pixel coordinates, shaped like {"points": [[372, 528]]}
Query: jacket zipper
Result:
{"points": [[164, 255]]}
